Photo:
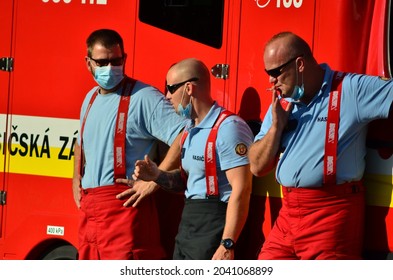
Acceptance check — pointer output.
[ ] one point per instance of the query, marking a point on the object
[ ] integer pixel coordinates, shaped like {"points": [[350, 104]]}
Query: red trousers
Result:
{"points": [[110, 231], [318, 223]]}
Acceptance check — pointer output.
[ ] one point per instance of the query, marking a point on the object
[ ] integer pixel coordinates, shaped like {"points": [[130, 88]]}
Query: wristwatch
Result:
{"points": [[228, 243]]}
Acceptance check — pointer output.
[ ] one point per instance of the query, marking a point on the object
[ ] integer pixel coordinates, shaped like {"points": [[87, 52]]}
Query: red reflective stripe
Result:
{"points": [[182, 172], [210, 155], [284, 103], [119, 148], [332, 125]]}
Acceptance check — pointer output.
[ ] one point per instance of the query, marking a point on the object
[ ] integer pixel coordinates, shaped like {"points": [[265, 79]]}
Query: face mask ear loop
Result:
{"points": [[189, 103], [297, 74], [182, 97], [302, 85], [184, 91], [190, 106]]}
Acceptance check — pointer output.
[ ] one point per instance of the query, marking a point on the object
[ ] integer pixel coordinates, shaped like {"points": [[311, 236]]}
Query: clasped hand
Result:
{"points": [[142, 183]]}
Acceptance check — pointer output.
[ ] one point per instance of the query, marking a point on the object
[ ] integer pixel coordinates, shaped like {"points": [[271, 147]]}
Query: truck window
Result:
{"points": [[198, 20], [390, 40]]}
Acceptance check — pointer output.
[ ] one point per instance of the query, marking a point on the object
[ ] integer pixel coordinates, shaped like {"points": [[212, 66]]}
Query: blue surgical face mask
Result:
{"points": [[184, 112], [298, 92], [108, 77]]}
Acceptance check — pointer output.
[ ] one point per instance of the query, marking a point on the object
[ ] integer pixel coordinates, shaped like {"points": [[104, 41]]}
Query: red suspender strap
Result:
{"points": [[183, 138], [332, 124], [81, 158], [284, 103], [210, 156], [120, 130]]}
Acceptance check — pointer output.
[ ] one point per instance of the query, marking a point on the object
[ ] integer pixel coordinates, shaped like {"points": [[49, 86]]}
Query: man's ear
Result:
{"points": [[189, 87], [88, 63], [300, 64], [124, 62]]}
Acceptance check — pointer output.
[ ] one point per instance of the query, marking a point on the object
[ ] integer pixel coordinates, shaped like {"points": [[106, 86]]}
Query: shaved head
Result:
{"points": [[190, 68], [287, 45]]}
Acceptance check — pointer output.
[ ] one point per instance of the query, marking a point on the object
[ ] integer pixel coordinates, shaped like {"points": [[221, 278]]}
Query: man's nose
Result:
{"points": [[272, 80]]}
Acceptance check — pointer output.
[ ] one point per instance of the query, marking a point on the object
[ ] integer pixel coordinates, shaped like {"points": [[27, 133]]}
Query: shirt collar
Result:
{"points": [[326, 80], [211, 117]]}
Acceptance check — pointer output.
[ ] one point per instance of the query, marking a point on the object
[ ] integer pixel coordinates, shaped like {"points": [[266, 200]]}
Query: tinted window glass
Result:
{"points": [[199, 20], [390, 42]]}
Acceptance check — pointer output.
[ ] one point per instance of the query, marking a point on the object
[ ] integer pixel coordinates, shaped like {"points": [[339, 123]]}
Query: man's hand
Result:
{"points": [[76, 189], [280, 111], [137, 192], [223, 254], [146, 170], [77, 178]]}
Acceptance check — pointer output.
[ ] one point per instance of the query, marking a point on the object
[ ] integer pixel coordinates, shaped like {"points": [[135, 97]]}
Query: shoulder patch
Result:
{"points": [[241, 149]]}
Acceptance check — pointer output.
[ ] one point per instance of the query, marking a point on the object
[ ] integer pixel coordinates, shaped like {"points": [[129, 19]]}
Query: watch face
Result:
{"points": [[228, 243]]}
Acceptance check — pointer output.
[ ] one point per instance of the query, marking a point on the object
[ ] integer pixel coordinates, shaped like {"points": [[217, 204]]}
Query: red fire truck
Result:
{"points": [[43, 80]]}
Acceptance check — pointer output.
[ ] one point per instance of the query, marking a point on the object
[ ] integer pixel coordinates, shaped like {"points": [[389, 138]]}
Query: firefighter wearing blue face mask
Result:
{"points": [[121, 120]]}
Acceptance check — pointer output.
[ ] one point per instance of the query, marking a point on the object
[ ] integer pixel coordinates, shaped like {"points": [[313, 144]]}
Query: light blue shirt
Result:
{"points": [[233, 133], [363, 99], [150, 117]]}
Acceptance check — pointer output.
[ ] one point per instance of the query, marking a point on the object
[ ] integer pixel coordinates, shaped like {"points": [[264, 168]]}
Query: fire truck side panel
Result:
{"points": [[151, 64], [342, 34], [5, 51], [40, 210], [48, 85]]}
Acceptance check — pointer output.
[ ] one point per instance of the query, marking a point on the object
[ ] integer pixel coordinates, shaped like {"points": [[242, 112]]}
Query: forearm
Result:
{"points": [[77, 163], [240, 179], [236, 216], [76, 180], [171, 181], [167, 180], [263, 154]]}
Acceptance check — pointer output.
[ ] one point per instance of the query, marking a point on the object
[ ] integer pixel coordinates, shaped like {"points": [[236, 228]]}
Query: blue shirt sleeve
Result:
{"points": [[372, 96], [233, 140]]}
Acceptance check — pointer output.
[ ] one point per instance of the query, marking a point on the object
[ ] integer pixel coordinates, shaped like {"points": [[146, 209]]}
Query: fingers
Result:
{"points": [[289, 107], [145, 170], [77, 202], [125, 193], [145, 161], [132, 201], [121, 181], [149, 162], [137, 200], [274, 95], [125, 181], [133, 195]]}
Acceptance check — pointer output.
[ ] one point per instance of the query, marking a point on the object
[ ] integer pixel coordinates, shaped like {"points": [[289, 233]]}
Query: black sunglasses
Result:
{"points": [[275, 72], [175, 87], [104, 62]]}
